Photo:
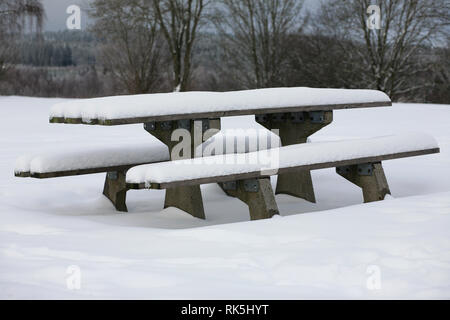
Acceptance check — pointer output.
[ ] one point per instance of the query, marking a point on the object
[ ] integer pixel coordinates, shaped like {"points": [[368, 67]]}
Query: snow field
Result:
{"points": [[322, 250]]}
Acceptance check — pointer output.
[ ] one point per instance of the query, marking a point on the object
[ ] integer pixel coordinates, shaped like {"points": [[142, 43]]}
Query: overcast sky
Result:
{"points": [[57, 16]]}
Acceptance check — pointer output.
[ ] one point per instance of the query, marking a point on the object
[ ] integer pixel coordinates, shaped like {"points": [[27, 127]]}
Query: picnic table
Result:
{"points": [[296, 112]]}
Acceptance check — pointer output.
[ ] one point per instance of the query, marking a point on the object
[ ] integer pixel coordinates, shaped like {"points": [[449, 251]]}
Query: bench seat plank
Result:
{"points": [[311, 156], [88, 160], [121, 110]]}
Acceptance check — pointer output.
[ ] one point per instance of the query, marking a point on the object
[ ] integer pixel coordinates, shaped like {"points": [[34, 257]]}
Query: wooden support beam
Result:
{"points": [[295, 128], [369, 177], [186, 198], [257, 194], [115, 189]]}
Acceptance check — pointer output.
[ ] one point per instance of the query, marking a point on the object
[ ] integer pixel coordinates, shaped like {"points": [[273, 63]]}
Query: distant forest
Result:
{"points": [[57, 49], [138, 46], [67, 64]]}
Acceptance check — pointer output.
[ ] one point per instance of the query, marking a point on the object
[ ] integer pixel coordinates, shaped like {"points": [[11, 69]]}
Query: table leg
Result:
{"points": [[257, 194], [295, 128], [189, 198], [115, 189]]}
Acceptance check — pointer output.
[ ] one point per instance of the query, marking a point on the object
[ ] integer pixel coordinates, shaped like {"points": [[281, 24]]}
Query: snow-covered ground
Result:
{"points": [[332, 249]]}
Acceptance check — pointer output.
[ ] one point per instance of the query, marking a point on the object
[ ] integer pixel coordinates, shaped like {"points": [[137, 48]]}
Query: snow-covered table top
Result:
{"points": [[319, 155], [197, 105]]}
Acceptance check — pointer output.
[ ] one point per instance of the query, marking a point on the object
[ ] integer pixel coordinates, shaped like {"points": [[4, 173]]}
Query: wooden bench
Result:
{"points": [[359, 161], [296, 113], [114, 160]]}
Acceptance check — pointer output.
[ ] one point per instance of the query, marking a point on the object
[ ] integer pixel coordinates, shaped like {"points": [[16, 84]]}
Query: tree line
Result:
{"points": [[143, 46]]}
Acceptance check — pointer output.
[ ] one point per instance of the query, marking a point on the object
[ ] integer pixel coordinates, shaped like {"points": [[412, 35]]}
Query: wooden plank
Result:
{"points": [[258, 174], [76, 172], [219, 114], [66, 120], [24, 174]]}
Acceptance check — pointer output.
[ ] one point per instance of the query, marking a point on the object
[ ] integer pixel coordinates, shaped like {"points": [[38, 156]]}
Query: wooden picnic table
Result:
{"points": [[296, 112]]}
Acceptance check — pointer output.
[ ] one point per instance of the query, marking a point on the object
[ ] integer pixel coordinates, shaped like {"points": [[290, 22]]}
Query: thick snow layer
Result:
{"points": [[238, 140], [278, 158], [148, 105], [125, 153], [93, 157], [329, 249]]}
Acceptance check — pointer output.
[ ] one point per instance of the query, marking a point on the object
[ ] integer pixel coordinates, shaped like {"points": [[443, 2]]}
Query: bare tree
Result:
{"points": [[133, 48], [179, 21], [388, 52], [14, 16], [440, 90], [318, 61], [255, 34]]}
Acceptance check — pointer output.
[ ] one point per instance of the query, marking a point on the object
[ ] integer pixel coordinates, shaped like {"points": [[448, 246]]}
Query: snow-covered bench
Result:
{"points": [[115, 160], [246, 176], [296, 113]]}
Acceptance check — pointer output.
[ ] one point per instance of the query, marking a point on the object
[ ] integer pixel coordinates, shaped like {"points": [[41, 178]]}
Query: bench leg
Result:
{"points": [[295, 128], [115, 189], [369, 177], [188, 199], [228, 192], [257, 194], [297, 184]]}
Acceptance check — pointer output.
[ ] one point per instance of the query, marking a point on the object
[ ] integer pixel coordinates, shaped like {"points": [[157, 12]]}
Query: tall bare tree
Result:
{"points": [[180, 21], [255, 34], [15, 16], [390, 51], [440, 90], [133, 49]]}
